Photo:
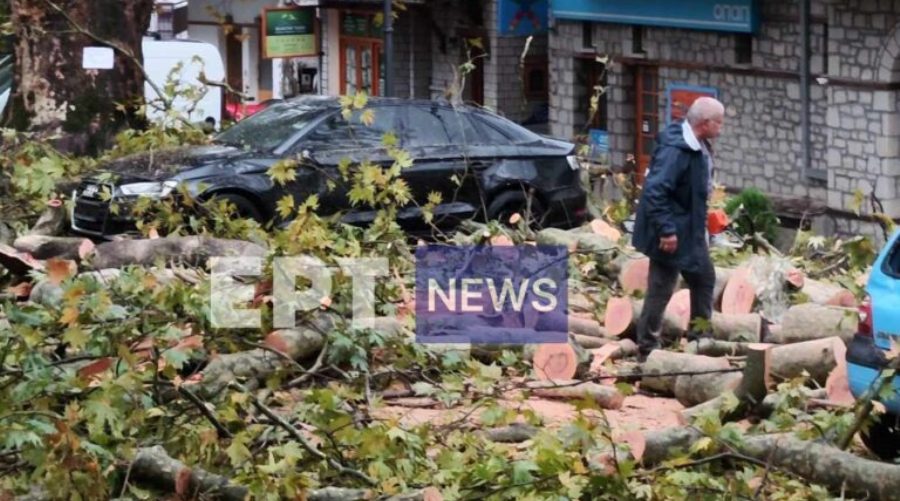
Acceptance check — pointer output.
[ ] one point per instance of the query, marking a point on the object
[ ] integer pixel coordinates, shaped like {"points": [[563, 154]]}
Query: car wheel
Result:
{"points": [[507, 203], [883, 437], [245, 208]]}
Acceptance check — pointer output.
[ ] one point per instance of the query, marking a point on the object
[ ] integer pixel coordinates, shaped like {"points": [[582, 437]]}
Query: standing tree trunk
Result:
{"points": [[53, 94]]}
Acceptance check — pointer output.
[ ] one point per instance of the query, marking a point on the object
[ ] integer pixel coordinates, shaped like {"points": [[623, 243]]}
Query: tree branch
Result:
{"points": [[300, 438]]}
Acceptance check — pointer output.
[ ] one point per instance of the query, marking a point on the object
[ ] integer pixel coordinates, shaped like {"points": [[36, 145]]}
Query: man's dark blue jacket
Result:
{"points": [[674, 201]]}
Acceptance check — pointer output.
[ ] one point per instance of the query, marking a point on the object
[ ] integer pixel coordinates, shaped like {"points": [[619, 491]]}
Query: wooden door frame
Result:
{"points": [[641, 93], [375, 45]]}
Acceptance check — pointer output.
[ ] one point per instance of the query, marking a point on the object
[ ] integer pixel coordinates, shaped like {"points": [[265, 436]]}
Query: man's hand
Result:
{"points": [[669, 244]]}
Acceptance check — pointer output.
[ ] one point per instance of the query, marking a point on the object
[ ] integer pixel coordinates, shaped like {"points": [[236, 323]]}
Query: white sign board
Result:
{"points": [[97, 58]]}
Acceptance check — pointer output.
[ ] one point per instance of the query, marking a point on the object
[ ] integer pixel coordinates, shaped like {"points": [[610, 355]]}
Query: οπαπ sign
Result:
{"points": [[289, 32]]}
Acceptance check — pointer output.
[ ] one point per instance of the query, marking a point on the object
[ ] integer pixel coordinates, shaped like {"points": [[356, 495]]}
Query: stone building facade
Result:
{"points": [[853, 112]]}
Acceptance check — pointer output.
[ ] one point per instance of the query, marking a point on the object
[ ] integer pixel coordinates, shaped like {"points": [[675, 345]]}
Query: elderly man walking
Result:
{"points": [[670, 227]]}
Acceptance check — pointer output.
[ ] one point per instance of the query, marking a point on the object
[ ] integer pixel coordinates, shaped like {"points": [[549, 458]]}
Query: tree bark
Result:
{"points": [[52, 94], [667, 362], [193, 251], [809, 321]]}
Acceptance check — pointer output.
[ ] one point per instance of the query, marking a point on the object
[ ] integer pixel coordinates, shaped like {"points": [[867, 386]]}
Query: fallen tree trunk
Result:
{"points": [[586, 327], [46, 247], [693, 390], [193, 251], [590, 342], [513, 433], [52, 221], [818, 358], [750, 388], [256, 365], [818, 463], [745, 327], [154, 467], [633, 275], [828, 294], [717, 348], [607, 397], [667, 362], [809, 321]]}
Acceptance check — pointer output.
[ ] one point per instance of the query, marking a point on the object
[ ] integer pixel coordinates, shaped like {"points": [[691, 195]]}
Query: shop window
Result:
{"points": [[743, 48], [591, 75], [637, 39], [535, 78], [587, 35]]}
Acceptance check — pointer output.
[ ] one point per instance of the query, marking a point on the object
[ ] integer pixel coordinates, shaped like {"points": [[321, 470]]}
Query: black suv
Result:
{"points": [[483, 165]]}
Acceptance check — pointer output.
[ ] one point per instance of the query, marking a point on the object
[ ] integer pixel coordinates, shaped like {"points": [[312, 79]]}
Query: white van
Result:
{"points": [[161, 56]]}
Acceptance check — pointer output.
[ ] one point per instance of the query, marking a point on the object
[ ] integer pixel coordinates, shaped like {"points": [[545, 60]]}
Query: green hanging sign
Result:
{"points": [[289, 32]]}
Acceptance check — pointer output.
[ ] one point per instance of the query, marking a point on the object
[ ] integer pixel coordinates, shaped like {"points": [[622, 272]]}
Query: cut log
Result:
{"points": [[256, 365], [678, 311], [667, 362], [513, 433], [737, 327], [555, 361], [807, 321], [828, 294], [722, 277], [52, 221], [716, 348], [633, 275], [693, 390], [575, 240], [46, 247], [840, 471], [621, 316], [605, 230], [795, 279], [591, 342], [620, 349], [622, 310], [192, 251], [817, 357], [153, 467], [586, 327], [739, 294], [607, 397], [750, 387], [18, 263]]}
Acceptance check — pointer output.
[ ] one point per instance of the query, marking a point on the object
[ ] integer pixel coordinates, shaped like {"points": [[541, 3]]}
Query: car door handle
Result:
{"points": [[479, 165]]}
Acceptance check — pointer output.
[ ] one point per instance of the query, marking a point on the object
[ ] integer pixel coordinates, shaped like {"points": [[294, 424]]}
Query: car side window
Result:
{"points": [[423, 127], [337, 132], [892, 262], [459, 126], [488, 133]]}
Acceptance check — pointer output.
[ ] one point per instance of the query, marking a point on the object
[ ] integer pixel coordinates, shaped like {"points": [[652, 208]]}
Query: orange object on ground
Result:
{"points": [[716, 221]]}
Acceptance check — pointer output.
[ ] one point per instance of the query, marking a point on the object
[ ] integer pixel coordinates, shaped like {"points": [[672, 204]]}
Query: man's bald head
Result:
{"points": [[706, 116]]}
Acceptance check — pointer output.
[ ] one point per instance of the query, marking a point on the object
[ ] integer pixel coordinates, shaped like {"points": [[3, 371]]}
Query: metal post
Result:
{"points": [[388, 50], [321, 69], [804, 87]]}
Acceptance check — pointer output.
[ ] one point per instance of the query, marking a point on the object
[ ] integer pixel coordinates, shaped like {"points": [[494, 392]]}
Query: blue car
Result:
{"points": [[879, 326]]}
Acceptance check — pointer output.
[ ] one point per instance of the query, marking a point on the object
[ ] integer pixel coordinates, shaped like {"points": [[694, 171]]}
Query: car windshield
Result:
{"points": [[271, 127]]}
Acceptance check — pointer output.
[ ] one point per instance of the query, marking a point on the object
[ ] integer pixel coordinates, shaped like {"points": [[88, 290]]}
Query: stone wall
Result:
{"points": [[855, 122]]}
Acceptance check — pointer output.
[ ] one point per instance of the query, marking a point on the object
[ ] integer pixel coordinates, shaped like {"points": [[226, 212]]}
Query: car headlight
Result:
{"points": [[150, 189], [573, 162]]}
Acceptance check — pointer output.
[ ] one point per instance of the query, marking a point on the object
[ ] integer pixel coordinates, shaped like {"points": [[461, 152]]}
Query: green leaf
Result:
{"points": [[521, 472], [76, 338], [283, 171], [285, 206], [360, 99]]}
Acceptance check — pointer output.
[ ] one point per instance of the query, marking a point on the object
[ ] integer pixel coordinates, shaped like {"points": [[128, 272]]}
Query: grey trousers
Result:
{"points": [[660, 288]]}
